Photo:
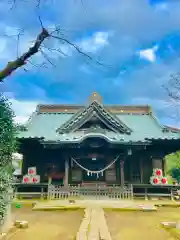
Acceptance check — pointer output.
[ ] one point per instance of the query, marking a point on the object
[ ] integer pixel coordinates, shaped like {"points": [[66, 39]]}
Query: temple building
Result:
{"points": [[95, 143]]}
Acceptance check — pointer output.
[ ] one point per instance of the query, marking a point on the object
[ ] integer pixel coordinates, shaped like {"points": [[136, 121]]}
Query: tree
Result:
{"points": [[173, 165], [7, 147], [173, 87], [39, 46], [175, 173]]}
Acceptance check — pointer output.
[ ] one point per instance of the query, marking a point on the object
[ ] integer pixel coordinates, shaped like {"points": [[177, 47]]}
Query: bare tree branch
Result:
{"points": [[173, 87], [38, 3], [13, 65], [47, 58], [38, 46], [76, 47], [54, 50], [13, 2], [73, 45]]}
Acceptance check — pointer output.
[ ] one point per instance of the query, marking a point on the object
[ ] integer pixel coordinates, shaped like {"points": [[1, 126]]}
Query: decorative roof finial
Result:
{"points": [[95, 97]]}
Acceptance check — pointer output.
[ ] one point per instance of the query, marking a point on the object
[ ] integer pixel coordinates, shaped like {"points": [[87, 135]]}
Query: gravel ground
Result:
{"points": [[46, 225], [140, 225]]}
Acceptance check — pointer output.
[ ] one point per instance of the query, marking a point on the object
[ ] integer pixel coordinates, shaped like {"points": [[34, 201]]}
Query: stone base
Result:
{"points": [[72, 201], [168, 224], [21, 224]]}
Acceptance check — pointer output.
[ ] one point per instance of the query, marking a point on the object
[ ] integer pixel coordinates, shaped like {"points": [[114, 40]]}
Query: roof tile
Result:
{"points": [[144, 126]]}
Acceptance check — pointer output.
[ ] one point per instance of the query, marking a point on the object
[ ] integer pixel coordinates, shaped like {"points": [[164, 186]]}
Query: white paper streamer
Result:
{"points": [[98, 172]]}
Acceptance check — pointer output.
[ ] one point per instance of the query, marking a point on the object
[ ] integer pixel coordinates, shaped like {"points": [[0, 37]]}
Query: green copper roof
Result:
{"points": [[144, 127]]}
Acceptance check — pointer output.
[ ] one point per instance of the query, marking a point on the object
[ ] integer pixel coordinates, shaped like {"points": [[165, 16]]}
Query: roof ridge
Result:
{"points": [[157, 121], [173, 129], [34, 113], [115, 117], [83, 105], [74, 107]]}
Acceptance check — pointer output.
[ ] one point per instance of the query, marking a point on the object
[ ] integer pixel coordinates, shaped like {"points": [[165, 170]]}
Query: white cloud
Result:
{"points": [[170, 111], [156, 103], [134, 24], [149, 53], [94, 43], [22, 109]]}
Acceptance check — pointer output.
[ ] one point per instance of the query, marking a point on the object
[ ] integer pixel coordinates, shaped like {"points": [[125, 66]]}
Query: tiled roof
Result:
{"points": [[173, 129], [143, 126]]}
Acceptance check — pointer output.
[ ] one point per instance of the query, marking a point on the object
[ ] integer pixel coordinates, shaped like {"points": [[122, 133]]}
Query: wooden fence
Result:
{"points": [[45, 191], [90, 192]]}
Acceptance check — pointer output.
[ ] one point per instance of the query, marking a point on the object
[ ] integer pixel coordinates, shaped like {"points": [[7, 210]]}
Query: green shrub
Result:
{"points": [[7, 147]]}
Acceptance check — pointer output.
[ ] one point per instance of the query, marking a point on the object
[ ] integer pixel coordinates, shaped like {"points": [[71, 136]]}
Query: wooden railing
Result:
{"points": [[99, 191], [95, 192]]}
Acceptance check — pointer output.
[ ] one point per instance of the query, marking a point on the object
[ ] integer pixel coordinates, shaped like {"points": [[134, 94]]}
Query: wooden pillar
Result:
{"points": [[25, 164], [141, 170], [164, 166], [122, 172], [66, 177]]}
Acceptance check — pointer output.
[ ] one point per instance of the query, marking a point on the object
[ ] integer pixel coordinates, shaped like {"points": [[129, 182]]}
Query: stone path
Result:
{"points": [[93, 226], [94, 204]]}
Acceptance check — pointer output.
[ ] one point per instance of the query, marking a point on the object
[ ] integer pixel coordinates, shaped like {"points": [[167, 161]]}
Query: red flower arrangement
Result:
{"points": [[158, 178], [157, 172], [34, 180], [154, 180], [31, 176], [26, 179], [30, 171], [164, 180]]}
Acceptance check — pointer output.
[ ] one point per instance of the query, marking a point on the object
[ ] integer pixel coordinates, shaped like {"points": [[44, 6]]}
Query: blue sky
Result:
{"points": [[138, 42]]}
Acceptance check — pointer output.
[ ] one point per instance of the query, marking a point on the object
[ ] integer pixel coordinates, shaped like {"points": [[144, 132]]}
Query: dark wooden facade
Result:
{"points": [[100, 128], [52, 161]]}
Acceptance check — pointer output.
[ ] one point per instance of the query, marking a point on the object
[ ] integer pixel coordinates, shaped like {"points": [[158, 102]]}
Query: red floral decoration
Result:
{"points": [[158, 172], [155, 181], [164, 181], [157, 177], [34, 180], [31, 171], [26, 180]]}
